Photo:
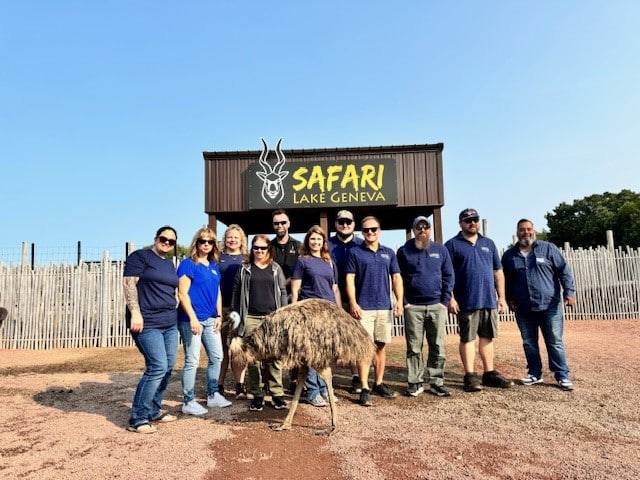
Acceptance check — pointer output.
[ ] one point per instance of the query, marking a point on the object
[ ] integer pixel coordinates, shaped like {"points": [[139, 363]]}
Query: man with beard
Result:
{"points": [[479, 280], [428, 280], [535, 271], [285, 248], [339, 246]]}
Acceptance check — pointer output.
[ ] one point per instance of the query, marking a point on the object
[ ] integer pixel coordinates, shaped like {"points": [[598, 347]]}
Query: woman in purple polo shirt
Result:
{"points": [[314, 276]]}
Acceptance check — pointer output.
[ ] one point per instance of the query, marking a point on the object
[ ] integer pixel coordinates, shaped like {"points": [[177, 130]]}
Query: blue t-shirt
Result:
{"points": [[474, 267], [156, 288], [340, 254], [229, 266], [203, 292], [372, 270], [318, 278]]}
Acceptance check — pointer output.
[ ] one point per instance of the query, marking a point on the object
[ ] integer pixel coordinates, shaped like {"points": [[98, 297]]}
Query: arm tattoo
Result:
{"points": [[131, 292]]}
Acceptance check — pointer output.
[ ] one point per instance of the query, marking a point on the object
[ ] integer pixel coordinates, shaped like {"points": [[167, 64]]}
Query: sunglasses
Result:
{"points": [[471, 220], [260, 248], [169, 241], [345, 221], [202, 241], [369, 229], [275, 224], [422, 227]]}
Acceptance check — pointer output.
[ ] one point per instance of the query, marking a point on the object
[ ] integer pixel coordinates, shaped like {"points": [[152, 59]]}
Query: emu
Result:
{"points": [[312, 333]]}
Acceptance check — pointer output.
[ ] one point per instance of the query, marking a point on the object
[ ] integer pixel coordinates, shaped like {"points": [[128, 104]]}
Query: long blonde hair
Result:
{"points": [[243, 238], [214, 254]]}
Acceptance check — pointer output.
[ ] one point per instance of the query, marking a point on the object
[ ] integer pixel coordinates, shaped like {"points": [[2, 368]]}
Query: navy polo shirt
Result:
{"points": [[372, 270]]}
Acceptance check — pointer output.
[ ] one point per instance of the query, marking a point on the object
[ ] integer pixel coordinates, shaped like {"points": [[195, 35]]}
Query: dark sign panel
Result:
{"points": [[344, 183]]}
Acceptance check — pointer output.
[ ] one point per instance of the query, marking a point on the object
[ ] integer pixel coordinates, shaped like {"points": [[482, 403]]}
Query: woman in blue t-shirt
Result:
{"points": [[150, 283], [314, 276], [199, 319]]}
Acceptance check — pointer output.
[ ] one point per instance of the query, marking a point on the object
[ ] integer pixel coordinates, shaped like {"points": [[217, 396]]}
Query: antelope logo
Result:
{"points": [[272, 177]]}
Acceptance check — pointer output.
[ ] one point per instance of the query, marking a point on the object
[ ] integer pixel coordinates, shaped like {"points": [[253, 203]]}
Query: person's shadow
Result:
{"points": [[111, 400]]}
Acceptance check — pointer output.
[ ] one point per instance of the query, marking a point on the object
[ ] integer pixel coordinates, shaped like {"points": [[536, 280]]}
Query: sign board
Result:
{"points": [[339, 183]]}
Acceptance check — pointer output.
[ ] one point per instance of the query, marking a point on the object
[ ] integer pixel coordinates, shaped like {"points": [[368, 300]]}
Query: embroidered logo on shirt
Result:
{"points": [[434, 255], [541, 260], [485, 249]]}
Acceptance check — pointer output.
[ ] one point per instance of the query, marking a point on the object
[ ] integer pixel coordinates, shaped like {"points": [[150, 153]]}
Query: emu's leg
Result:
{"points": [[286, 425], [328, 378]]}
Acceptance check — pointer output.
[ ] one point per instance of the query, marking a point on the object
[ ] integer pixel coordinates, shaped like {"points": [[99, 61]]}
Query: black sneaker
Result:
{"points": [[356, 386], [257, 404], [241, 391], [494, 379], [439, 391], [278, 403], [414, 389], [383, 390], [365, 398], [471, 383]]}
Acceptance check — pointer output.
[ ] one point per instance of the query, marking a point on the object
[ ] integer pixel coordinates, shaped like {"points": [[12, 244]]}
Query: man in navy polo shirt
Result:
{"points": [[339, 246], [370, 271], [479, 277]]}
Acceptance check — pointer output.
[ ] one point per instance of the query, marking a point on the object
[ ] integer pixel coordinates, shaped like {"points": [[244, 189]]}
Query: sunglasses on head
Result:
{"points": [[169, 241], [471, 220], [344, 221], [283, 222], [369, 229], [260, 247], [202, 241]]}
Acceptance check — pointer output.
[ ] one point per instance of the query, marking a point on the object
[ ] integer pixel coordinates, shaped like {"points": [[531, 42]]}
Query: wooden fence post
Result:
{"points": [[105, 300]]}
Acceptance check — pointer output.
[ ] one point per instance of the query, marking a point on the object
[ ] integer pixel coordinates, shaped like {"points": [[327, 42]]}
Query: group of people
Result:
{"points": [[423, 282]]}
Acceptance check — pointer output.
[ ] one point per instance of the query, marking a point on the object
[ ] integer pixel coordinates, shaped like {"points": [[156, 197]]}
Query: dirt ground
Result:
{"points": [[63, 414]]}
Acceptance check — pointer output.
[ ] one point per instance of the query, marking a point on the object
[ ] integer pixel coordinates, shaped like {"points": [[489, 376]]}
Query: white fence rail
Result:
{"points": [[65, 306]]}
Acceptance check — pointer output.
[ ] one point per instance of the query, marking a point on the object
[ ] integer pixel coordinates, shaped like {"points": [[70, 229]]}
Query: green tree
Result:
{"points": [[584, 222]]}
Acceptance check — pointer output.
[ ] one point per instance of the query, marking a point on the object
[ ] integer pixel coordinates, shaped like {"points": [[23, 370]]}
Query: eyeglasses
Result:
{"points": [[202, 241], [471, 220], [260, 248], [283, 222], [169, 241], [344, 221], [369, 229], [422, 227]]}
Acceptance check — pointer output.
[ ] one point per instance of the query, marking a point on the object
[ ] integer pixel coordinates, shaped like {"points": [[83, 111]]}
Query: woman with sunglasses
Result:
{"points": [[259, 289], [234, 252], [314, 276], [150, 283], [199, 319]]}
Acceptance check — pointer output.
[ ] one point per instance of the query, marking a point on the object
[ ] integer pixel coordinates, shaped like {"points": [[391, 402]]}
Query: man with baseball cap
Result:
{"points": [[479, 279], [428, 280], [339, 246]]}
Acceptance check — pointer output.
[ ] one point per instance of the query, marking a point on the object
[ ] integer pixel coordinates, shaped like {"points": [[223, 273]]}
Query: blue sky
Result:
{"points": [[106, 107]]}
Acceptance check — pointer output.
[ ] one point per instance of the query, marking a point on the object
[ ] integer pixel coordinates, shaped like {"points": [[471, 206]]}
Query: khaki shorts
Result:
{"points": [[478, 323], [378, 324]]}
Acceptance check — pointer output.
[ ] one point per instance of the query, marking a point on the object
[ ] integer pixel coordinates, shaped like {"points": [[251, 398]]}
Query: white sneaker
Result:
{"points": [[217, 400], [193, 408], [530, 380]]}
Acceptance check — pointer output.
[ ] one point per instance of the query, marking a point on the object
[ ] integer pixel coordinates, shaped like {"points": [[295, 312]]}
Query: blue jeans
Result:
{"points": [[315, 385], [551, 324], [158, 346], [191, 343]]}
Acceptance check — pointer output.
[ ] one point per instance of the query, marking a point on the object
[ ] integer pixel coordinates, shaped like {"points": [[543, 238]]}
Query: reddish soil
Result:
{"points": [[64, 414]]}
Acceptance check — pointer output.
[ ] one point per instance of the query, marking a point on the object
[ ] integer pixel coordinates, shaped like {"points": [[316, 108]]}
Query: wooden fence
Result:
{"points": [[65, 306]]}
